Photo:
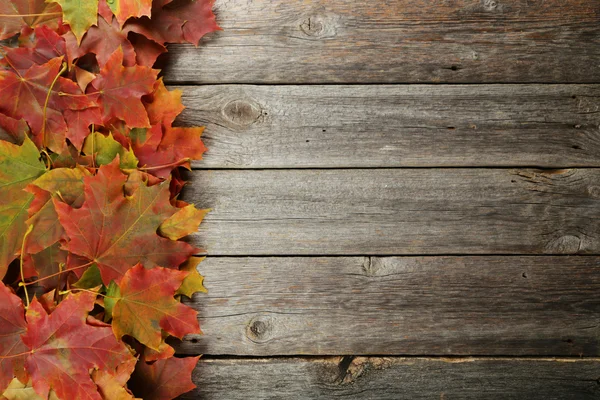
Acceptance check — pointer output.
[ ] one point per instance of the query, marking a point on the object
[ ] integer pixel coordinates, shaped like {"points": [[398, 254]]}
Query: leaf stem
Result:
{"points": [[174, 164], [30, 15], [21, 263], [85, 290], [56, 274], [16, 355], [45, 110]]}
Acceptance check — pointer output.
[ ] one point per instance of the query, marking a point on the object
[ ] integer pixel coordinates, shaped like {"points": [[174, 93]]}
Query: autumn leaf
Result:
{"points": [[79, 14], [12, 326], [184, 222], [40, 96], [117, 231], [105, 149], [125, 9], [193, 282], [145, 305], [19, 166], [90, 279], [176, 22], [164, 379], [13, 130], [45, 46], [16, 14], [120, 90], [102, 40], [109, 387], [46, 263], [64, 184], [65, 348], [162, 149], [79, 122], [23, 391], [164, 105]]}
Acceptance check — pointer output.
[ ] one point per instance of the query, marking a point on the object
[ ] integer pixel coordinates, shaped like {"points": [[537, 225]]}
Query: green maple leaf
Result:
{"points": [[79, 14], [19, 166]]}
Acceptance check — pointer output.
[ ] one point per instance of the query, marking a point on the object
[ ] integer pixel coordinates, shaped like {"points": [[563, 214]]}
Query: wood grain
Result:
{"points": [[396, 126], [398, 211], [417, 41], [399, 305], [397, 379]]}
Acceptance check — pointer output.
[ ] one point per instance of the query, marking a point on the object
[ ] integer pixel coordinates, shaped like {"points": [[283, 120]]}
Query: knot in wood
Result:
{"points": [[567, 244], [594, 191], [260, 329], [320, 26], [242, 112], [490, 5]]}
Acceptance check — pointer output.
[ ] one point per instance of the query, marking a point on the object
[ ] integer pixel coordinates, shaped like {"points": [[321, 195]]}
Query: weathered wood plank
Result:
{"points": [[466, 41], [396, 126], [399, 305], [398, 211], [397, 379]]}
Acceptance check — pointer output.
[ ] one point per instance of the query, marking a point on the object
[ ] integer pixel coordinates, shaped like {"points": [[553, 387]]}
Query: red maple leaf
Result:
{"points": [[120, 90], [64, 348], [40, 96], [117, 231], [176, 21], [15, 15], [12, 326], [102, 40], [45, 45], [146, 296], [164, 379]]}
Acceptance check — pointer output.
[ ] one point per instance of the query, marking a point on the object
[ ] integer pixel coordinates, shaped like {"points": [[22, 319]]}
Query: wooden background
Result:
{"points": [[406, 199]]}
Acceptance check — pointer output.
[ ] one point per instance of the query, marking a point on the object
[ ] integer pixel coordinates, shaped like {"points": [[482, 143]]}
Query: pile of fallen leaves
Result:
{"points": [[93, 269]]}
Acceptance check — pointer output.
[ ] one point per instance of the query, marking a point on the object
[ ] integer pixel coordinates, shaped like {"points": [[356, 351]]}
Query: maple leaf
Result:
{"points": [[184, 222], [102, 40], [109, 387], [40, 96], [120, 90], [161, 149], [125, 9], [19, 166], [12, 326], [64, 348], [146, 51], [46, 45], [65, 184], [176, 21], [23, 391], [80, 15], [164, 105], [117, 231], [144, 304], [193, 282], [78, 124], [164, 379], [105, 149], [16, 14], [47, 262], [13, 130]]}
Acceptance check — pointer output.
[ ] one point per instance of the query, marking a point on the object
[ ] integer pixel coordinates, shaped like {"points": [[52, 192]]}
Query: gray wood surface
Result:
{"points": [[327, 41], [399, 305], [396, 126], [398, 211], [397, 379]]}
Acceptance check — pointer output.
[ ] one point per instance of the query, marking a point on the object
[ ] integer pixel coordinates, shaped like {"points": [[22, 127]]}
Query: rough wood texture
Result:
{"points": [[398, 211], [461, 41], [397, 379], [397, 126], [399, 305]]}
